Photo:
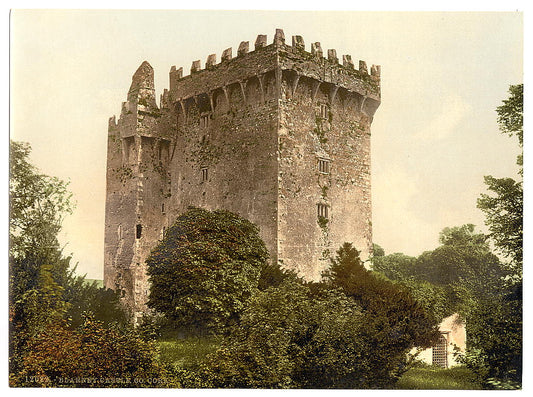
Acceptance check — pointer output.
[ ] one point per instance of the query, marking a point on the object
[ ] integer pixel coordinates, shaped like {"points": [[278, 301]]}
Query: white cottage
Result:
{"points": [[452, 334]]}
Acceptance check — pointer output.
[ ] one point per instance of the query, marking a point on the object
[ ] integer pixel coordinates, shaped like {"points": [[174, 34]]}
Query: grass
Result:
{"points": [[187, 353], [424, 378]]}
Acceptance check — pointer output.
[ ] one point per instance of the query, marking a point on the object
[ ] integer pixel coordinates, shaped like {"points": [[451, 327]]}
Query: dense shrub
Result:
{"points": [[318, 335], [280, 330], [205, 269], [89, 356]]}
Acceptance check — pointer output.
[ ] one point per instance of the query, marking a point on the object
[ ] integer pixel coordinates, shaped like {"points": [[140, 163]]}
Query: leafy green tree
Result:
{"points": [[103, 303], [495, 327], [503, 206], [377, 251], [511, 115], [205, 269], [405, 322], [503, 210], [37, 269], [273, 274], [494, 336], [396, 266], [463, 258], [37, 205], [350, 331], [43, 288]]}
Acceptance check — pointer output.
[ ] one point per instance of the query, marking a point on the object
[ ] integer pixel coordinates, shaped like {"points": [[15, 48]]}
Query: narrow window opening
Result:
{"points": [[322, 211], [323, 111], [119, 232], [163, 208], [205, 174], [138, 231], [204, 121], [323, 166]]}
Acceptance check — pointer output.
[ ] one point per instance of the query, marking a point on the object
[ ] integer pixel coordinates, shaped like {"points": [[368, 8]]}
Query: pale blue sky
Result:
{"points": [[433, 137]]}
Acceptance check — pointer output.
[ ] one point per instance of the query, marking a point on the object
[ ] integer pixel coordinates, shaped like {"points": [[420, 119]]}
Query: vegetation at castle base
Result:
{"points": [[330, 334], [410, 324], [205, 269], [48, 304]]}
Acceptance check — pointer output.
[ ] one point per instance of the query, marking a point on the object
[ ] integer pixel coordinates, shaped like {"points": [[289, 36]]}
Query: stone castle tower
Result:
{"points": [[278, 135]]}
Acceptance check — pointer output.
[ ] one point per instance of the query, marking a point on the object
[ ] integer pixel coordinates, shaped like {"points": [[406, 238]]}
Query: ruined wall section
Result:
{"points": [[136, 175], [324, 156]]}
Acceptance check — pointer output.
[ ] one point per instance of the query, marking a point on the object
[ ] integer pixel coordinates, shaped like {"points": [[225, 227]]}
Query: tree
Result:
{"points": [[43, 288], [103, 303], [503, 207], [404, 321], [511, 115], [495, 328], [205, 269], [504, 216], [377, 251], [37, 269], [463, 258], [37, 205], [396, 266], [350, 331]]}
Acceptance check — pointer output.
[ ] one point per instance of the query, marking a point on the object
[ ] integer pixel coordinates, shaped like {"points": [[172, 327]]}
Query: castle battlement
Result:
{"points": [[269, 58]]}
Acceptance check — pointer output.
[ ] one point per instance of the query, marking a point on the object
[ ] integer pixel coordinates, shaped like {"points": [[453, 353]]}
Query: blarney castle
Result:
{"points": [[278, 135]]}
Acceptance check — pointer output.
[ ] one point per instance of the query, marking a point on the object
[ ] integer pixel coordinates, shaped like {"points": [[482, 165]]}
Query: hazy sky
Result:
{"points": [[434, 136]]}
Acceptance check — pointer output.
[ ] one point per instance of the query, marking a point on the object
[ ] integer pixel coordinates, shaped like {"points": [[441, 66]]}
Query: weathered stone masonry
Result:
{"points": [[278, 135]]}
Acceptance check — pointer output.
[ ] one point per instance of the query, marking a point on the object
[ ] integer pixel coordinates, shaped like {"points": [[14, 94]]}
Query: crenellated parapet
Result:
{"points": [[266, 65]]}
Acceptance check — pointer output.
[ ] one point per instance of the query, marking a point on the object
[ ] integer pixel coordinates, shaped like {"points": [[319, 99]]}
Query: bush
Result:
{"points": [[90, 356], [308, 336], [205, 269]]}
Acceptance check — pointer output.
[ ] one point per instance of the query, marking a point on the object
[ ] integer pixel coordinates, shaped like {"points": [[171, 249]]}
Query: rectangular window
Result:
{"points": [[163, 208], [323, 110], [204, 121], [322, 210], [138, 230], [204, 174], [323, 166]]}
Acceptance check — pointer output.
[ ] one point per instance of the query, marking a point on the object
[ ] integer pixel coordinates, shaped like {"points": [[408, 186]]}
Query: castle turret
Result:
{"points": [[137, 185]]}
